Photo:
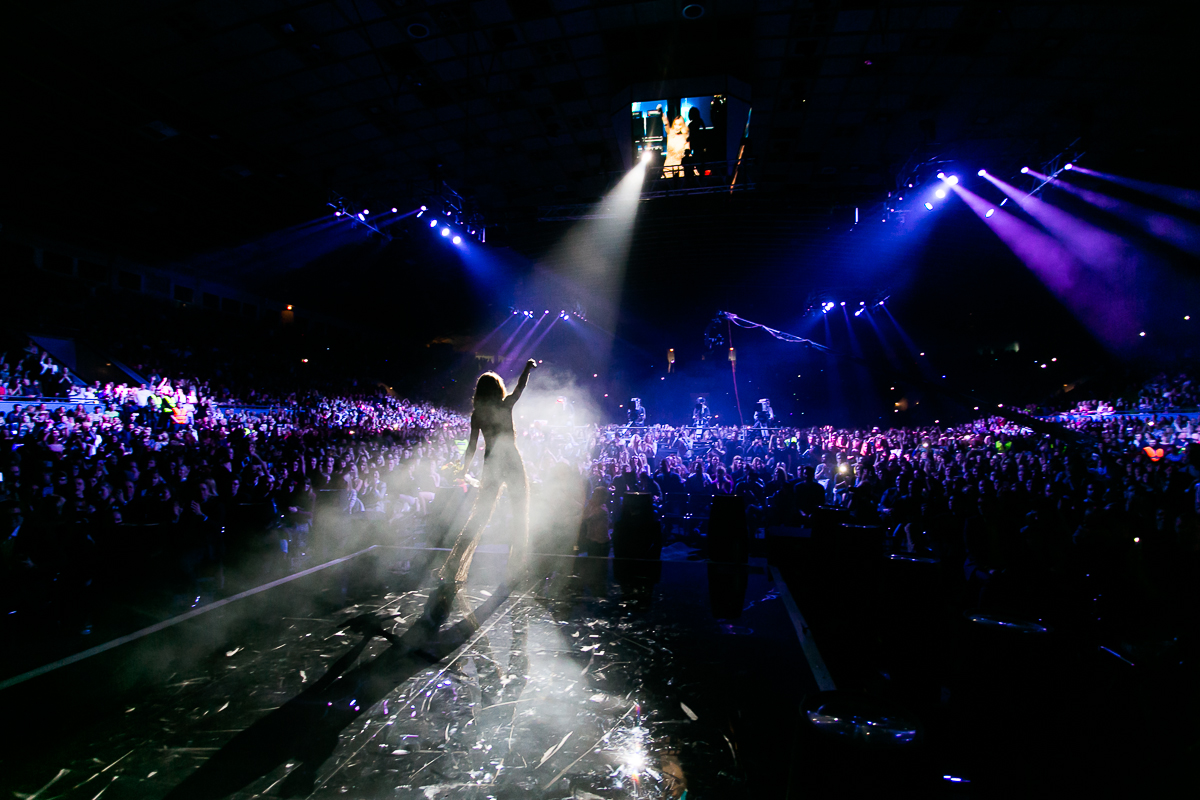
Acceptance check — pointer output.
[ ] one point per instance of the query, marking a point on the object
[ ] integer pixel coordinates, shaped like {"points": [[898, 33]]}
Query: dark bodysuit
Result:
{"points": [[502, 465]]}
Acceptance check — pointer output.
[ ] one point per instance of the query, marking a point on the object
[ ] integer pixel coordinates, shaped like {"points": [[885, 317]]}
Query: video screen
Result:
{"points": [[688, 134]]}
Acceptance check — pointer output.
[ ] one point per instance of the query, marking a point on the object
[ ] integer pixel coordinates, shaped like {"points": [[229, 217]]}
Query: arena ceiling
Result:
{"points": [[161, 129]]}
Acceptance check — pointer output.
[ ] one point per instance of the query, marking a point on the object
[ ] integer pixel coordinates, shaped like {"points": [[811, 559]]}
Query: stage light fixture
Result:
{"points": [[989, 212], [457, 240], [939, 194], [1024, 170], [1005, 200], [366, 211], [433, 223], [423, 208], [941, 176], [859, 312], [1143, 333], [843, 302], [952, 180], [862, 302], [1068, 165], [363, 218], [1186, 317], [337, 213], [393, 209], [981, 173], [419, 213], [929, 206], [445, 231]]}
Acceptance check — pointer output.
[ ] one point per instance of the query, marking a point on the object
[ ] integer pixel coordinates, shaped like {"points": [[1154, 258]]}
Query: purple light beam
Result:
{"points": [[1172, 194], [1099, 302], [1174, 231]]}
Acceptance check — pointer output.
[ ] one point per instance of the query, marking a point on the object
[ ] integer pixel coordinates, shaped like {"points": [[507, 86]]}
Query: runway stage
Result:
{"points": [[606, 679]]}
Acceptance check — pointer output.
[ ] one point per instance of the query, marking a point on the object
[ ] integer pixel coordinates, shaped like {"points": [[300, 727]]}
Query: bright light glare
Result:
{"points": [[362, 217], [939, 194], [942, 176], [981, 173], [337, 213], [457, 240], [445, 231], [1068, 166], [433, 223], [423, 208], [952, 180], [989, 212], [1024, 170], [929, 206], [393, 209]]}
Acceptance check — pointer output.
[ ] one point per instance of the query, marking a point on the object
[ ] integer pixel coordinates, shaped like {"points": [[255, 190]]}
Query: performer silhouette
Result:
{"points": [[502, 465]]}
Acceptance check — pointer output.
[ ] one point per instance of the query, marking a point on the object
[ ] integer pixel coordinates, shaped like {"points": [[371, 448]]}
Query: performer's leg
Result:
{"points": [[518, 490], [459, 562]]}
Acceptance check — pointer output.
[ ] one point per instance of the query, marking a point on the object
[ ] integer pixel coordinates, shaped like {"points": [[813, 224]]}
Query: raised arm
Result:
{"points": [[530, 365]]}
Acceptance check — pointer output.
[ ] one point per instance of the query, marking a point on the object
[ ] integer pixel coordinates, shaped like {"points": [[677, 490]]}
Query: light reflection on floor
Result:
{"points": [[582, 688]]}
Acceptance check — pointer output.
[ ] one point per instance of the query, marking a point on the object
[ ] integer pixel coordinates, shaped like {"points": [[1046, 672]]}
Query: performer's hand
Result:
{"points": [[530, 364]]}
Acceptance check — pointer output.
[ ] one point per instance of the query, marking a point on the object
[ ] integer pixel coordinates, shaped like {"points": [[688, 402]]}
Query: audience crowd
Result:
{"points": [[30, 371], [1163, 393], [164, 476]]}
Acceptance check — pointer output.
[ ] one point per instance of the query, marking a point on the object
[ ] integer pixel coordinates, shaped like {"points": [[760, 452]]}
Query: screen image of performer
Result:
{"points": [[677, 146], [492, 416]]}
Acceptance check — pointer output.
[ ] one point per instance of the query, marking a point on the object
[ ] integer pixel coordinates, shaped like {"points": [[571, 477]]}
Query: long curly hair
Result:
{"points": [[489, 390]]}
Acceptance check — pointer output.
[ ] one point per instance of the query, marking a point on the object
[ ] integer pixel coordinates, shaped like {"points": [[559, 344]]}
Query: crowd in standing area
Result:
{"points": [[991, 497], [30, 371]]}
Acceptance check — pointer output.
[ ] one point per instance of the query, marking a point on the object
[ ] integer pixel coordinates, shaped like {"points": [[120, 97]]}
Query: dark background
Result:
{"points": [[206, 136]]}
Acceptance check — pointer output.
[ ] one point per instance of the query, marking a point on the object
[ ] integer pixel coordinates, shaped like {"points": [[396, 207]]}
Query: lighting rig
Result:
{"points": [[564, 314], [451, 217], [447, 214], [1054, 167], [864, 307], [356, 215]]}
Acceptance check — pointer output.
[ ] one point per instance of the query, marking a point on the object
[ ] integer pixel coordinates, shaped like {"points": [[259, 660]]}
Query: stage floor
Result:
{"points": [[607, 679]]}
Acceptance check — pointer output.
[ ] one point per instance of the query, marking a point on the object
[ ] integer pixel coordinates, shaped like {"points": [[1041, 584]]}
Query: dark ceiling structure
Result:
{"points": [[162, 129]]}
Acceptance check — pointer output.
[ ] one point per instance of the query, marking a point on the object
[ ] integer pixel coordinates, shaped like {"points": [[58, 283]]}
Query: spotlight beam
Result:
{"points": [[1172, 194], [504, 348], [508, 318], [1170, 229], [522, 346], [533, 346], [1093, 297], [1087, 243]]}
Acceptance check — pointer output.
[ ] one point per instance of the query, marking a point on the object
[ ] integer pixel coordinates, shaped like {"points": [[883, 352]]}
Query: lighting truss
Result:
{"points": [[1057, 165], [355, 214]]}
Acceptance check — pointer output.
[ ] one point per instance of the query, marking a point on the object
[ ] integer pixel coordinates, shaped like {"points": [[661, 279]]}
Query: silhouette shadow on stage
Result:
{"points": [[307, 728]]}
